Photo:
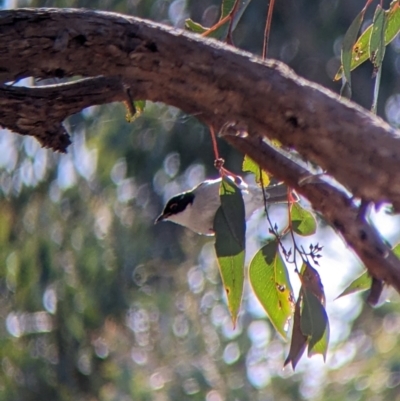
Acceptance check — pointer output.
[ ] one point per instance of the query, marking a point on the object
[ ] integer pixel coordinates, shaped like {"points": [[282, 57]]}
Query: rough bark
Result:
{"points": [[40, 111], [219, 84]]}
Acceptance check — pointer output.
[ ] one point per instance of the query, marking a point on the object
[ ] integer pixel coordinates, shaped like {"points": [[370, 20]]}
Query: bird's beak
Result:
{"points": [[159, 218]]}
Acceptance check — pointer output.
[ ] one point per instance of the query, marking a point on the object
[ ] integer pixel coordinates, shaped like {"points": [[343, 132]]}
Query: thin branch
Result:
{"points": [[267, 28]]}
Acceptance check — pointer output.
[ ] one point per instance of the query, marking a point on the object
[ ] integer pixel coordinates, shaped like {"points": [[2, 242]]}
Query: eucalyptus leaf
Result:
{"points": [[377, 40], [313, 318], [194, 26], [347, 46], [270, 281], [361, 283], [360, 51], [320, 347], [251, 166], [299, 341], [311, 280], [230, 230], [303, 221]]}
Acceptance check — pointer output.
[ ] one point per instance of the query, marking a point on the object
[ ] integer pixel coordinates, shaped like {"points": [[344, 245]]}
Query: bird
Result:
{"points": [[195, 209]]}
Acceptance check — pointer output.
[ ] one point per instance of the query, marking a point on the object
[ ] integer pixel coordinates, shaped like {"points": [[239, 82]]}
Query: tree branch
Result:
{"points": [[219, 84], [40, 111]]}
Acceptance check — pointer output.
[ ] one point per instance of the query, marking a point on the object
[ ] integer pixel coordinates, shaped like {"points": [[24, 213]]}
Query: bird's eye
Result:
{"points": [[173, 206]]}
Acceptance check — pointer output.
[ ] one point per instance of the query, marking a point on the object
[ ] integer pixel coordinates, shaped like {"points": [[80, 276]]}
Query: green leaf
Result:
{"points": [[194, 26], [311, 280], [377, 40], [360, 51], [270, 281], [298, 342], [229, 222], [396, 250], [313, 318], [231, 270], [321, 346], [230, 230], [347, 47], [303, 221], [361, 283], [392, 22], [252, 167], [226, 7]]}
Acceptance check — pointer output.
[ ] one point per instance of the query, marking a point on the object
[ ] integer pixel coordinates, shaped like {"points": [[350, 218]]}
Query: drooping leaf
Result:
{"points": [[232, 217], [252, 167], [392, 21], [270, 281], [347, 47], [311, 280], [311, 324], [298, 341], [361, 283], [314, 319], [303, 221], [230, 230], [377, 40], [360, 51], [321, 346], [377, 52]]}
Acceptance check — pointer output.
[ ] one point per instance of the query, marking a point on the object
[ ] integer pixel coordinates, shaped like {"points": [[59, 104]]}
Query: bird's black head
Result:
{"points": [[176, 205]]}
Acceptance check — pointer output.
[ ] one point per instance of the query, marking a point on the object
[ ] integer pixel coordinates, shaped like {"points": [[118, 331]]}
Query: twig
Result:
{"points": [[267, 29]]}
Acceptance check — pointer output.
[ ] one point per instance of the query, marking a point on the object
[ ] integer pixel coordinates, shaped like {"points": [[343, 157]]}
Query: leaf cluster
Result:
{"points": [[268, 272]]}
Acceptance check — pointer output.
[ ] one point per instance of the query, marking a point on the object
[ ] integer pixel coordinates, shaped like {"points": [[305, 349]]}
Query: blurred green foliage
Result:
{"points": [[97, 303]]}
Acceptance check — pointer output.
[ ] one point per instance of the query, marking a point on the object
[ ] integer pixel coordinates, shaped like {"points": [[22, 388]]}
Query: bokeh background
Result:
{"points": [[97, 303]]}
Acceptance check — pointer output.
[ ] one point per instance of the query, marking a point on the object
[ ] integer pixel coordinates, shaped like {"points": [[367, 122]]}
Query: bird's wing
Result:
{"points": [[254, 198], [205, 205]]}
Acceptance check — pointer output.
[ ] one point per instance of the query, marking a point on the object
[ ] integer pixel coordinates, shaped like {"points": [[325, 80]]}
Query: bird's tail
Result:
{"points": [[274, 194], [279, 194]]}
